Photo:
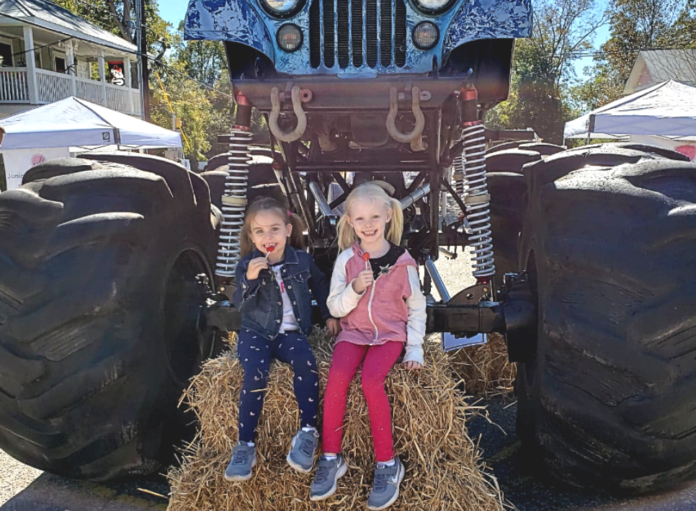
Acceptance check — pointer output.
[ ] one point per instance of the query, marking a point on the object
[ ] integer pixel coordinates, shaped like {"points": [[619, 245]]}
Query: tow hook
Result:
{"points": [[415, 136], [298, 97]]}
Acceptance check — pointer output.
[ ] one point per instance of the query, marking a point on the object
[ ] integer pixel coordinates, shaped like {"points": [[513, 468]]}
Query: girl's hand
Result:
{"points": [[334, 326], [255, 267], [412, 365], [364, 280]]}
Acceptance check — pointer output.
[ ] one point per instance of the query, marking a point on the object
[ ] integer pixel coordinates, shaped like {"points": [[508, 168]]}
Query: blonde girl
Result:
{"points": [[375, 290]]}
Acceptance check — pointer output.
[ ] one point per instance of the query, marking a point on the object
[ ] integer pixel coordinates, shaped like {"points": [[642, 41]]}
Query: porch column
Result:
{"points": [[72, 65], [32, 89], [102, 76], [129, 83]]}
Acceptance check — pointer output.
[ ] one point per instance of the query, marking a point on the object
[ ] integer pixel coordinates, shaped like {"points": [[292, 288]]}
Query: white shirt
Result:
{"points": [[289, 320]]}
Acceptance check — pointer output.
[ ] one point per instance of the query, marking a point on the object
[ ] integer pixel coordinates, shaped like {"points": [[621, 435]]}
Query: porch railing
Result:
{"points": [[52, 86], [13, 85]]}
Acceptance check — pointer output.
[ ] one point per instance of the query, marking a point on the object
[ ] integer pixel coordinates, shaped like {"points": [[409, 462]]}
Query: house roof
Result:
{"points": [[54, 18], [655, 66]]}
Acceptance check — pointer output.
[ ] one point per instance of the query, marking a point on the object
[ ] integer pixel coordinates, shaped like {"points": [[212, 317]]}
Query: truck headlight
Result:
{"points": [[289, 37], [425, 35], [433, 6], [281, 7]]}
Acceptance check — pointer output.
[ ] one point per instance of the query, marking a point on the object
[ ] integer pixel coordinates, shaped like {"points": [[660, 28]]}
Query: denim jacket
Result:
{"points": [[260, 302]]}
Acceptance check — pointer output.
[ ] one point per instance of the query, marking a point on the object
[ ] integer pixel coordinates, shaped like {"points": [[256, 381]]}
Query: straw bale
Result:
{"points": [[485, 369], [443, 469]]}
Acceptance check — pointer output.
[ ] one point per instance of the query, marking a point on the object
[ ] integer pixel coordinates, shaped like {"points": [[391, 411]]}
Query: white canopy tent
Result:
{"points": [[74, 122], [70, 126], [665, 110]]}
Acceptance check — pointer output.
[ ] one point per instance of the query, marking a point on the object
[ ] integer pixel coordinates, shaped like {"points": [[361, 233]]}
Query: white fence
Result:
{"points": [[52, 87], [13, 85], [90, 90]]}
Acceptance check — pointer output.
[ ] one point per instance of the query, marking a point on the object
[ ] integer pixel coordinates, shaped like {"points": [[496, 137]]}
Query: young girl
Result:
{"points": [[274, 279], [381, 306]]}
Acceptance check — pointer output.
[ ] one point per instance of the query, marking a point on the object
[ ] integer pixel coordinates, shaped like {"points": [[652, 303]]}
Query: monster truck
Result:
{"points": [[116, 270]]}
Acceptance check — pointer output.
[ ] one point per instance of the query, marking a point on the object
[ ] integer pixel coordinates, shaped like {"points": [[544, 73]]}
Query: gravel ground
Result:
{"points": [[15, 477]]}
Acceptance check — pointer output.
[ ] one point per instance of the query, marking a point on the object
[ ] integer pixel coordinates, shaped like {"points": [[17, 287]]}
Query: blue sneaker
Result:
{"points": [[301, 456], [326, 480], [385, 490], [243, 460]]}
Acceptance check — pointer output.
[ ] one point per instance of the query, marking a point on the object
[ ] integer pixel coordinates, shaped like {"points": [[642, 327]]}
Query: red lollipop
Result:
{"points": [[269, 250], [366, 258]]}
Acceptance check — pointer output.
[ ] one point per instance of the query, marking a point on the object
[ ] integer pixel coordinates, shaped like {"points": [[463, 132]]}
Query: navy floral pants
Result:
{"points": [[255, 354]]}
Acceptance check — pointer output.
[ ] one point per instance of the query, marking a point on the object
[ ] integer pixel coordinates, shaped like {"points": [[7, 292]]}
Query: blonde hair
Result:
{"points": [[346, 233], [269, 204]]}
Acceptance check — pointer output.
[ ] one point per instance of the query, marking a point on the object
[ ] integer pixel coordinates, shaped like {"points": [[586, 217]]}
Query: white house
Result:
{"points": [[49, 54], [656, 66]]}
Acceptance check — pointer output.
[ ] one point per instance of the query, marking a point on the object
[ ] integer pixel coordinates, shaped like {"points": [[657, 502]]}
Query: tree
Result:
{"points": [[683, 32], [204, 61], [542, 67], [636, 25], [118, 17]]}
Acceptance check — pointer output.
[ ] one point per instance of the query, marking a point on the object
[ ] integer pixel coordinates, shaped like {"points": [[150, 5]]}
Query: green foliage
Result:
{"points": [[204, 113], [204, 61], [542, 68], [636, 25], [683, 32]]}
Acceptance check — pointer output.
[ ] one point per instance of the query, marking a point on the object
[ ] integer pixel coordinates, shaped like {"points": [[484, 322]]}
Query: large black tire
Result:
{"points": [[262, 183], [99, 312], [606, 398], [507, 187]]}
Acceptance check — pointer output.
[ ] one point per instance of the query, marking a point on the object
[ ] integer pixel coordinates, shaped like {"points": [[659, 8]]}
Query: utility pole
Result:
{"points": [[141, 36]]}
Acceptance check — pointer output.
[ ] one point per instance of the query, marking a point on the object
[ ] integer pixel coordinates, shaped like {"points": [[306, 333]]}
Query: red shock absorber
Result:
{"points": [[234, 199], [471, 167]]}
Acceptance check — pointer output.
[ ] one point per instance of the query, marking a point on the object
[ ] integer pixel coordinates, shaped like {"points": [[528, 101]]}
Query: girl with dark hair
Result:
{"points": [[275, 281]]}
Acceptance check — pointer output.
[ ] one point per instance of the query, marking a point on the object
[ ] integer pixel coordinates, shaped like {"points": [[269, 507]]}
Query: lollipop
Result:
{"points": [[269, 250], [366, 258]]}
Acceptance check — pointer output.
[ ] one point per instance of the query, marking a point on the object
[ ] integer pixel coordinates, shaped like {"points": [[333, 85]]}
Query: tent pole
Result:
{"points": [[590, 129]]}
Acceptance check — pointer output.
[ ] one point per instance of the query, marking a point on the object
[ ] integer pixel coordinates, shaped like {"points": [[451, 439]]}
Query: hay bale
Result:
{"points": [[485, 369], [443, 470]]}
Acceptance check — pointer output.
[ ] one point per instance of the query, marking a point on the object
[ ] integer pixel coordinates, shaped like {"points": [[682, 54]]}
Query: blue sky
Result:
{"points": [[174, 11]]}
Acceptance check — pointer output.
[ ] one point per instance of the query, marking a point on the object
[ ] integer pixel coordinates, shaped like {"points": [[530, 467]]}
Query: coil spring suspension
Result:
{"points": [[458, 174], [472, 166], [234, 203]]}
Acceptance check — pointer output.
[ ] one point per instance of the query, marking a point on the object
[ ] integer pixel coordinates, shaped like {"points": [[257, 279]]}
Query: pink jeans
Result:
{"points": [[377, 361]]}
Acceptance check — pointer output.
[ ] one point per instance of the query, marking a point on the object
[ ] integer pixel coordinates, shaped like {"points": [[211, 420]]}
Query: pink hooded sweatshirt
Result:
{"points": [[391, 309]]}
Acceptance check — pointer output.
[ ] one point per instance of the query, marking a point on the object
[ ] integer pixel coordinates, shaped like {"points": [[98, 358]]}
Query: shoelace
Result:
{"points": [[322, 471], [307, 447], [381, 478], [240, 457]]}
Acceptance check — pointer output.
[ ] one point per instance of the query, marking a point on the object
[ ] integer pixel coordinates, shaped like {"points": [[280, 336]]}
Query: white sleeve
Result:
{"points": [[417, 316], [342, 297]]}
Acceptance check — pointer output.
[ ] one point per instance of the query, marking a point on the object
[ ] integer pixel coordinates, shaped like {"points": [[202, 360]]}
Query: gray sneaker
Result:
{"points": [[385, 490], [326, 480], [301, 456], [243, 460]]}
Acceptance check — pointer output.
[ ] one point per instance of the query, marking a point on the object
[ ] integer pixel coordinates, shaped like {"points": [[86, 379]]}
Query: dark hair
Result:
{"points": [[269, 204]]}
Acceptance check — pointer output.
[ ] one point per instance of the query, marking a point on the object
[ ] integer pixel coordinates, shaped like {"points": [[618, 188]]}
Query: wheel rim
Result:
{"points": [[530, 368], [185, 337]]}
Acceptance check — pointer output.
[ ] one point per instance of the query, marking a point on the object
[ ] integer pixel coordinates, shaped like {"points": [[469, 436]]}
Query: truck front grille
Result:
{"points": [[357, 33]]}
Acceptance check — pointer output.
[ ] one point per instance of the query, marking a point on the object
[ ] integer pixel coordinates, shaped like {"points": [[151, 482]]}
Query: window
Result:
{"points": [[60, 65], [6, 54]]}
